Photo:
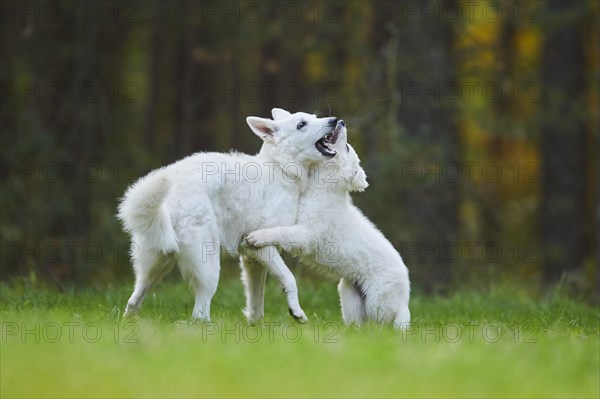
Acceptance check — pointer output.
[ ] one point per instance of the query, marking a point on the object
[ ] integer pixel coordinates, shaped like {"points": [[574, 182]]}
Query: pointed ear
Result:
{"points": [[263, 128], [279, 113], [359, 181]]}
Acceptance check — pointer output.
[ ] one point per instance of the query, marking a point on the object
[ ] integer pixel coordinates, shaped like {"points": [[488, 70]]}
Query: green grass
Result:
{"points": [[502, 342]]}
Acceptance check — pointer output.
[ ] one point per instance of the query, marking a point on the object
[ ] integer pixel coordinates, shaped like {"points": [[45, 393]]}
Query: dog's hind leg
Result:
{"points": [[253, 276], [402, 319], [387, 300], [150, 267], [200, 264], [352, 302]]}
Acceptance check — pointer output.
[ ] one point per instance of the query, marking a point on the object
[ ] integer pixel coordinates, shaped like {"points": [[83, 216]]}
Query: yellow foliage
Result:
{"points": [[528, 43], [315, 65]]}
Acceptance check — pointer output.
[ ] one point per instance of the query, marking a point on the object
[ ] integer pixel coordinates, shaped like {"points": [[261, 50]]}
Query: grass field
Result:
{"points": [[501, 342]]}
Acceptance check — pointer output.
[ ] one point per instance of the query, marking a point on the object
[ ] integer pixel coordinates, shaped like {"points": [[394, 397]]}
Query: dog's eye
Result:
{"points": [[301, 125]]}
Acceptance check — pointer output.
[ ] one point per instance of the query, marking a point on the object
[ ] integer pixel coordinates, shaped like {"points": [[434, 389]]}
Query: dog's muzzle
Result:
{"points": [[325, 144]]}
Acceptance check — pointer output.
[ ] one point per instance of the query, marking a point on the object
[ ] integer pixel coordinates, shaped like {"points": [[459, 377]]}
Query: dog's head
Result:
{"points": [[352, 176], [299, 137], [342, 172]]}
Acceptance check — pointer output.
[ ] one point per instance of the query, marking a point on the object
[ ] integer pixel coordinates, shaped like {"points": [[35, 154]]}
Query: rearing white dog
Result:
{"points": [[335, 238], [189, 211]]}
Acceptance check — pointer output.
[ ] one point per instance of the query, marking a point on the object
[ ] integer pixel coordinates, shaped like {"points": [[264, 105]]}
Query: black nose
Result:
{"points": [[341, 122], [333, 121]]}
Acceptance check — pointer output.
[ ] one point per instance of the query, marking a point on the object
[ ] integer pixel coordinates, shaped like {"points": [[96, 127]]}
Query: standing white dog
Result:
{"points": [[189, 211], [335, 238]]}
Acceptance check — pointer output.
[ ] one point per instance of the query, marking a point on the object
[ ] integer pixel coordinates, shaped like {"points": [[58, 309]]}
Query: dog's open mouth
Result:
{"points": [[324, 145]]}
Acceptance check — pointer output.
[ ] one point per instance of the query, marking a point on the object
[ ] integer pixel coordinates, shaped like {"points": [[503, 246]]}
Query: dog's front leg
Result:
{"points": [[271, 259], [253, 277], [288, 238]]}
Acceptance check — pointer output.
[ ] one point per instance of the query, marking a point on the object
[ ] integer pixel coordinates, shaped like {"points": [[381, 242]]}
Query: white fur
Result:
{"points": [[335, 238], [189, 211]]}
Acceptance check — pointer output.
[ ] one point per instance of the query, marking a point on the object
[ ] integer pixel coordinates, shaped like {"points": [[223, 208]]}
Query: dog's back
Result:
{"points": [[239, 192]]}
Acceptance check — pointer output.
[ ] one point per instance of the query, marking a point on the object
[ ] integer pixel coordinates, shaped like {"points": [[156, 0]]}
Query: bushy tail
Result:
{"points": [[145, 216]]}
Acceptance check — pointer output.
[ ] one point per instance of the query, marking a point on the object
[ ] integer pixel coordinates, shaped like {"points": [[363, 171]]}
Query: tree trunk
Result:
{"points": [[428, 121], [562, 209]]}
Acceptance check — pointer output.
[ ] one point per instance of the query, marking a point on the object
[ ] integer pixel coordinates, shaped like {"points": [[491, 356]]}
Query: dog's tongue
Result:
{"points": [[324, 148], [332, 137]]}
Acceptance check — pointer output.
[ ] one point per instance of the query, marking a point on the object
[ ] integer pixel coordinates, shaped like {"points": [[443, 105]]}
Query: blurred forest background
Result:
{"points": [[477, 123]]}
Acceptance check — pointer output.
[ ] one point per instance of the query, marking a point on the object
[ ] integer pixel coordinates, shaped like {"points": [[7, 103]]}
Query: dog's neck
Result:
{"points": [[324, 191], [292, 170], [329, 176]]}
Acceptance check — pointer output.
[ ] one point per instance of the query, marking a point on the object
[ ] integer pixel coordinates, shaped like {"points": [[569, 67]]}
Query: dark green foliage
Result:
{"points": [[90, 104]]}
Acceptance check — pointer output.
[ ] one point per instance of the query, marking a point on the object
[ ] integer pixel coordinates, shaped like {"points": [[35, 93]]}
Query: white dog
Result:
{"points": [[189, 211], [335, 238]]}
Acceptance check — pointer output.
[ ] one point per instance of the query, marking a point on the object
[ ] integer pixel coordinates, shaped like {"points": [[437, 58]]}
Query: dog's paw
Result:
{"points": [[254, 319], [298, 315], [130, 312], [257, 238], [251, 240]]}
